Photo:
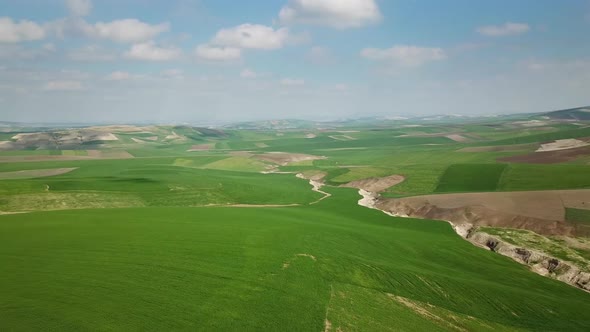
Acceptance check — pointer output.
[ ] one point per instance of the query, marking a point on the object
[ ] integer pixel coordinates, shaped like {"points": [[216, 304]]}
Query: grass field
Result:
{"points": [[545, 177], [252, 269], [162, 241], [470, 177]]}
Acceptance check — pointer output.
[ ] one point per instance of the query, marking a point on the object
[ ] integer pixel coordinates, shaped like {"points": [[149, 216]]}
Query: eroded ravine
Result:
{"points": [[538, 262]]}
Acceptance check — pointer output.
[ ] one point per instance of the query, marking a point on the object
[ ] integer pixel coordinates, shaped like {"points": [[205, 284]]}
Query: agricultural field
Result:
{"points": [[258, 226]]}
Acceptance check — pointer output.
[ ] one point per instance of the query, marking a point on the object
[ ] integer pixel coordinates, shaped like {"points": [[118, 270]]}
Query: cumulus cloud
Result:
{"points": [[14, 32], [79, 7], [292, 82], [340, 14], [506, 29], [16, 52], [217, 53], [63, 86], [149, 51], [254, 36], [129, 30], [405, 55]]}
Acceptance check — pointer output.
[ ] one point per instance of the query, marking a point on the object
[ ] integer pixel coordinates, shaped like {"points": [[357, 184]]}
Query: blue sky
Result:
{"points": [[205, 61]]}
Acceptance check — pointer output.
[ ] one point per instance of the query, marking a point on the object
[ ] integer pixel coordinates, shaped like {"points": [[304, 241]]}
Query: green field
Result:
{"points": [[470, 177], [163, 238], [244, 268]]}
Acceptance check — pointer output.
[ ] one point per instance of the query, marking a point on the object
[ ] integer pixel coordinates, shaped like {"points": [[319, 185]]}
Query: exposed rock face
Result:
{"points": [[537, 261]]}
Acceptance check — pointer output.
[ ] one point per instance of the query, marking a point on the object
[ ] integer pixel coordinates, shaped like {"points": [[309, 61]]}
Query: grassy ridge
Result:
{"points": [[545, 137], [151, 182]]}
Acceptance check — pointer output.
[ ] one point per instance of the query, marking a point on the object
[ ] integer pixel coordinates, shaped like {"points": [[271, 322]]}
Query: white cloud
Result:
{"points": [[149, 51], [292, 82], [248, 73], [129, 30], [63, 86], [118, 76], [319, 55], [340, 14], [173, 74], [214, 53], [16, 52], [79, 7], [506, 29], [405, 55], [91, 53], [14, 32], [253, 36]]}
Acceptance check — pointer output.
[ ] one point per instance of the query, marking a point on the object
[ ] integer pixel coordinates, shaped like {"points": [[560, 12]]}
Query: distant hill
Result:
{"points": [[579, 113], [273, 124]]}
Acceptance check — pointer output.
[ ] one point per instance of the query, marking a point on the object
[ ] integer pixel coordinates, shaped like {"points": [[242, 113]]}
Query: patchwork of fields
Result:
{"points": [[186, 228]]}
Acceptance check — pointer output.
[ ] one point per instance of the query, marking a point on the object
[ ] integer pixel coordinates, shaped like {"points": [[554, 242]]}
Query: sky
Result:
{"points": [[209, 61]]}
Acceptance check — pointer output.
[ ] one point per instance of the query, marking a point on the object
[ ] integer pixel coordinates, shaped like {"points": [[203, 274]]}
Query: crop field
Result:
{"points": [[256, 268], [191, 228], [470, 177]]}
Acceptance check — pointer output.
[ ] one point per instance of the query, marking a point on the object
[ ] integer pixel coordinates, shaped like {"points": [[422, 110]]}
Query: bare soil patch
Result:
{"points": [[34, 173], [175, 136], [92, 154], [548, 157], [343, 149], [137, 140], [530, 123], [120, 128], [375, 184], [258, 205], [499, 148], [457, 138], [283, 158], [200, 147], [542, 212], [16, 159], [562, 144]]}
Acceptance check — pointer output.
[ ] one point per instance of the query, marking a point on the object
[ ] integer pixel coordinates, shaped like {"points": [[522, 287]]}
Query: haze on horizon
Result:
{"points": [[222, 60]]}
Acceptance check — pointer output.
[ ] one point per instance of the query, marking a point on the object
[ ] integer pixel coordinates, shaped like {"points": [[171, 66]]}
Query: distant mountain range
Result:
{"points": [[579, 113]]}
